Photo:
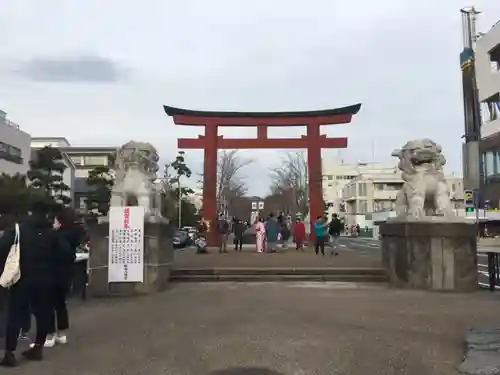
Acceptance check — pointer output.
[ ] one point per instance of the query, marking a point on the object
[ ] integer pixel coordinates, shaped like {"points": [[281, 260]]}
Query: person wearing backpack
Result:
{"points": [[37, 244]]}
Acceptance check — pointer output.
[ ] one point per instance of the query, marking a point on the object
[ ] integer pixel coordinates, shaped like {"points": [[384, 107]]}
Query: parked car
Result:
{"points": [[181, 239]]}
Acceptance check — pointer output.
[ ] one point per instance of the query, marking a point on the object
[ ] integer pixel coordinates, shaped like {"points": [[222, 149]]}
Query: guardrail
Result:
{"points": [[493, 254]]}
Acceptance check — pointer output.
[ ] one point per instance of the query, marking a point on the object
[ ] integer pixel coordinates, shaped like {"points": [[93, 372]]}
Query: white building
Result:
{"points": [[487, 54], [336, 175], [487, 65], [79, 162], [373, 193], [14, 147]]}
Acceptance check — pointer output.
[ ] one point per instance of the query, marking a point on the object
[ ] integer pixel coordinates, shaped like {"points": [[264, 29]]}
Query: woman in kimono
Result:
{"points": [[260, 235]]}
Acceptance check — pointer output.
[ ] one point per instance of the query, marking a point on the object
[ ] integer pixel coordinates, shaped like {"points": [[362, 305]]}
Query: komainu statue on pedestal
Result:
{"points": [[136, 165], [425, 192]]}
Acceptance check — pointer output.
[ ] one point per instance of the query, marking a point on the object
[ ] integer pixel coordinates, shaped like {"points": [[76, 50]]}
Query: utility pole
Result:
{"points": [[472, 166]]}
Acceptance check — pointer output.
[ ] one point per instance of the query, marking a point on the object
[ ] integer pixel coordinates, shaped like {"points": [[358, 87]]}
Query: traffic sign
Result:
{"points": [[469, 200]]}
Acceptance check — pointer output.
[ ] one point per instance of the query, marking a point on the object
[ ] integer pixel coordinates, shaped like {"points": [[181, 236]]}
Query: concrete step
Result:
{"points": [[283, 278], [273, 271]]}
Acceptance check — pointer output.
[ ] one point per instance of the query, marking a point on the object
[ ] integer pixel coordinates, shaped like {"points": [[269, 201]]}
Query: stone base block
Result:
{"points": [[430, 255], [158, 260]]}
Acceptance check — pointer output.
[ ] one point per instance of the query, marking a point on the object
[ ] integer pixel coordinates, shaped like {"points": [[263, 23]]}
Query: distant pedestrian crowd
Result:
{"points": [[36, 265], [276, 231]]}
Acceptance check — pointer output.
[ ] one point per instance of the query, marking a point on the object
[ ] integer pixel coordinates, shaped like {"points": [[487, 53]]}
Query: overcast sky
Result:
{"points": [[98, 72]]}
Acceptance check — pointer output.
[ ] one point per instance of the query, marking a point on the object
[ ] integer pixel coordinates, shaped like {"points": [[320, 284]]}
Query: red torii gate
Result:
{"points": [[210, 142]]}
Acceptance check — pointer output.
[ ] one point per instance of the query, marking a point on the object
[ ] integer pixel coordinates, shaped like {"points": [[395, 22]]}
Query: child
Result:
{"points": [[299, 234]]}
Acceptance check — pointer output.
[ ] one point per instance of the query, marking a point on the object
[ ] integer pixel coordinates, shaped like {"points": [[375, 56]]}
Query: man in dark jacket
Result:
{"points": [[334, 230], [33, 290], [238, 229]]}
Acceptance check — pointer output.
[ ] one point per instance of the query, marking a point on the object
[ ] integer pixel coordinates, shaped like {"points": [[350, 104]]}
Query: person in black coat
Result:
{"points": [[33, 290], [68, 238]]}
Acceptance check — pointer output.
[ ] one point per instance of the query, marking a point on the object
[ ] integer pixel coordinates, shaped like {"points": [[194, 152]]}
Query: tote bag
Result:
{"points": [[12, 272]]}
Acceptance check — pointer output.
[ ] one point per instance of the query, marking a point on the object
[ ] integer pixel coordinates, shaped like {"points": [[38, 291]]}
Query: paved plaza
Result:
{"points": [[292, 328], [282, 258]]}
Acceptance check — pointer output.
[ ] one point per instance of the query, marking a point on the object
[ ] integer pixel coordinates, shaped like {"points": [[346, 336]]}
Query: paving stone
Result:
{"points": [[483, 352]]}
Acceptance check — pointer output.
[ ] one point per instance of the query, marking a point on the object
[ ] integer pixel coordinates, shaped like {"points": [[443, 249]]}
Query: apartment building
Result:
{"points": [[79, 161], [376, 192], [86, 159], [487, 54], [336, 175], [14, 147]]}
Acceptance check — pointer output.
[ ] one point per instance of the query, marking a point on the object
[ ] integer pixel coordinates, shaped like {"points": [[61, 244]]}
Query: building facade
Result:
{"points": [[487, 64], [79, 161], [15, 150], [336, 175], [86, 159], [373, 193]]}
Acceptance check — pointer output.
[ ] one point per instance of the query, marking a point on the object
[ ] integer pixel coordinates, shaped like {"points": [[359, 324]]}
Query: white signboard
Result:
{"points": [[254, 206], [261, 205], [254, 216], [126, 244]]}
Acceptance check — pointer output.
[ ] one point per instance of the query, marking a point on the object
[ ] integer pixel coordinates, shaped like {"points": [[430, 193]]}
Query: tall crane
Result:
{"points": [[472, 165]]}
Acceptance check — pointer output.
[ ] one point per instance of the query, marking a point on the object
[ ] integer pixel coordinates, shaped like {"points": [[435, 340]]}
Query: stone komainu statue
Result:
{"points": [[136, 165], [424, 192]]}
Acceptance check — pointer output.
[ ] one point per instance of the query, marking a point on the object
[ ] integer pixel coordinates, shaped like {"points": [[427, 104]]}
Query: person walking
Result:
{"points": [[33, 290], [223, 232], [334, 230], [260, 235], [68, 238], [320, 232], [299, 234]]}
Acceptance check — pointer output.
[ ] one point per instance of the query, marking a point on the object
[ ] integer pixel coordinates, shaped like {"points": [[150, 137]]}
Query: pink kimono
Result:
{"points": [[260, 236]]}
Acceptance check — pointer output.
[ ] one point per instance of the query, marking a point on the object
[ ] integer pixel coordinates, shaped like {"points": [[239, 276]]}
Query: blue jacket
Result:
{"points": [[272, 230], [320, 229]]}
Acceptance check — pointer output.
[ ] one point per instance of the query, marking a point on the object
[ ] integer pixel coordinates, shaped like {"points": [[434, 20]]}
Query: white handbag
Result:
{"points": [[12, 271]]}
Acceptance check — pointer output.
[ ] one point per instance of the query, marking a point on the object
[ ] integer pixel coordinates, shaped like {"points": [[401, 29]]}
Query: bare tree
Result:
{"points": [[231, 185], [290, 180]]}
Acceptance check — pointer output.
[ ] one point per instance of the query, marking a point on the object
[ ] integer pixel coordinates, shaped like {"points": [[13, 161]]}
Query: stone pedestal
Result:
{"points": [[431, 255], [158, 259]]}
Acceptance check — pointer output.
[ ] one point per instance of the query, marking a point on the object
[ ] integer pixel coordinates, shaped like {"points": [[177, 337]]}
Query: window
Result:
{"points": [[362, 189], [76, 159], [95, 160], [10, 153], [362, 207], [495, 58], [330, 178], [453, 188], [490, 167], [14, 151]]}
